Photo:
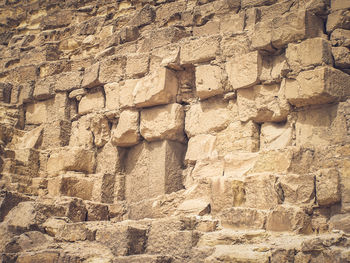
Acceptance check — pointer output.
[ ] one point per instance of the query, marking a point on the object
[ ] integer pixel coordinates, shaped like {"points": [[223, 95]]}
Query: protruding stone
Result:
{"points": [[91, 102], [275, 135], [200, 147], [297, 189], [208, 81], [199, 50], [156, 89], [163, 123], [327, 187], [91, 76], [126, 133]]}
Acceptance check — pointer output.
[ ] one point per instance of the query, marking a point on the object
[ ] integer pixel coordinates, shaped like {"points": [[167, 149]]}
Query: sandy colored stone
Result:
{"points": [[274, 68], [327, 187], [91, 102], [108, 159], [81, 134], [319, 86], [137, 65], [262, 103], [340, 37], [126, 133], [275, 135], [126, 93], [338, 19], [244, 71], [297, 189], [91, 76], [309, 53], [99, 127], [163, 123], [199, 50], [36, 113], [71, 159], [156, 89], [208, 81], [246, 218], [111, 69], [200, 147], [341, 57], [112, 95]]}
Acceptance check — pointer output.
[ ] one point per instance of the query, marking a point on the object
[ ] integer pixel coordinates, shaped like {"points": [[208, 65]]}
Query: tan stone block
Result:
{"points": [[96, 211], [319, 86], [111, 69], [36, 113], [322, 126], [239, 163], [72, 232], [289, 27], [56, 134], [297, 189], [198, 207], [200, 147], [251, 3], [91, 102], [81, 134], [241, 217], [309, 53], [68, 81], [260, 191], [275, 136], [263, 103], [163, 123], [126, 133], [154, 168], [109, 159], [30, 139], [156, 89], [288, 218], [100, 129], [344, 174], [328, 187], [338, 19], [234, 23], [340, 4], [208, 81], [341, 57], [44, 88], [274, 68], [238, 136], [137, 65], [340, 37], [340, 222], [91, 76], [71, 159], [208, 116], [112, 95], [126, 93], [210, 28], [199, 50], [244, 70]]}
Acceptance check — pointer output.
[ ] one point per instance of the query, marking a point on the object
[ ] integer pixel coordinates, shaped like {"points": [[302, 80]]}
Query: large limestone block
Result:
{"points": [[108, 159], [289, 27], [36, 113], [91, 102], [260, 191], [156, 89], [126, 93], [311, 52], [71, 159], [340, 37], [341, 57], [345, 185], [68, 81], [199, 50], [274, 68], [288, 218], [200, 147], [322, 126], [340, 4], [275, 135], [243, 218], [297, 189], [100, 129], [153, 169], [319, 86], [163, 123], [112, 95], [328, 187], [244, 71], [338, 19], [238, 136], [262, 103], [207, 117], [126, 133], [208, 81], [91, 76], [56, 134], [111, 69], [81, 134], [137, 65]]}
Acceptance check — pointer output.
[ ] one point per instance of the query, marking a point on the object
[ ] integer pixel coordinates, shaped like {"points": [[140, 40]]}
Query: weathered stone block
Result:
{"points": [[244, 70], [100, 129], [91, 76], [111, 69], [81, 134], [137, 65], [199, 50], [260, 191], [238, 136], [108, 159], [91, 102], [297, 189], [163, 123], [200, 147], [208, 81], [246, 218], [340, 37], [338, 19], [341, 57], [44, 88], [340, 4], [319, 86], [144, 17], [156, 89], [71, 159], [328, 187], [207, 117], [288, 218], [274, 68], [126, 133], [68, 81], [275, 135], [56, 134], [72, 232], [153, 168], [234, 23], [309, 53], [262, 103], [251, 3], [112, 96], [96, 211], [126, 93], [36, 113]]}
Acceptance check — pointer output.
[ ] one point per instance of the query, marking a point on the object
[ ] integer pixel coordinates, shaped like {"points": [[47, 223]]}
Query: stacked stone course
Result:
{"points": [[174, 131]]}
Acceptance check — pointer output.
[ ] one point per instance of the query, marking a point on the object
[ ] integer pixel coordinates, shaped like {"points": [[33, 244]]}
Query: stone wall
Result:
{"points": [[175, 131]]}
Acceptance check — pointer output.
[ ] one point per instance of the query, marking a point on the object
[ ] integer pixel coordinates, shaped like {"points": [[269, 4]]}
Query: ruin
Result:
{"points": [[174, 131]]}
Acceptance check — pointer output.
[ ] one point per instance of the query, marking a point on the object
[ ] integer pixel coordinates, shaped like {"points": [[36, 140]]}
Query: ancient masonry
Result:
{"points": [[162, 131]]}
